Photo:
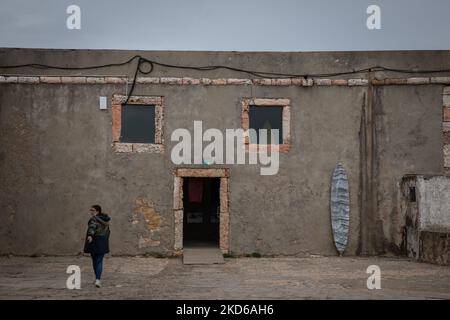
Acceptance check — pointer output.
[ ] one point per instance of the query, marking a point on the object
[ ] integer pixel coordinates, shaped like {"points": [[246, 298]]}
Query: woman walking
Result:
{"points": [[97, 240]]}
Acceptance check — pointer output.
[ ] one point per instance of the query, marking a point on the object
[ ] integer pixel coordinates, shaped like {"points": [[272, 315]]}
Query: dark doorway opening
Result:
{"points": [[201, 203]]}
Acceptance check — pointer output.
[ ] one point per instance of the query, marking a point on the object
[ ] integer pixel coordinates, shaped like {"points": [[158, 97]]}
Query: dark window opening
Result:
{"points": [[412, 194], [201, 203], [138, 124], [266, 118]]}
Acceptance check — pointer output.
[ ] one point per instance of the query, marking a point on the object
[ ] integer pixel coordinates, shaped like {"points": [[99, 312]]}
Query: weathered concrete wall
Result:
{"points": [[56, 157]]}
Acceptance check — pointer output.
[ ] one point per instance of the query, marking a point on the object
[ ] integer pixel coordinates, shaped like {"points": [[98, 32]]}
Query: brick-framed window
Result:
{"points": [[250, 105], [137, 111]]}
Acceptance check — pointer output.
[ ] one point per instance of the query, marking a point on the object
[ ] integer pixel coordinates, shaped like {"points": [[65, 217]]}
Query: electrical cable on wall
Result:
{"points": [[141, 62]]}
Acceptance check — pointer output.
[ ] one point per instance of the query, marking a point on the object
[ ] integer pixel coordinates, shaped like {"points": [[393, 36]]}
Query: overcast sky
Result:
{"points": [[237, 25]]}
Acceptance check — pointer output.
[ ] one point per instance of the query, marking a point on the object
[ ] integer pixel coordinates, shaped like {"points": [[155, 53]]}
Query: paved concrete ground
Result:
{"points": [[242, 278]]}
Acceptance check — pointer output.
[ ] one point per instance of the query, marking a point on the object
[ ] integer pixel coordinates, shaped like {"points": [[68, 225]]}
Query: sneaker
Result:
{"points": [[98, 283]]}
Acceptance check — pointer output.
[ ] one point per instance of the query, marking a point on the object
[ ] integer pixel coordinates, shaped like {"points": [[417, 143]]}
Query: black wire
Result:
{"points": [[45, 66], [262, 74], [141, 62]]}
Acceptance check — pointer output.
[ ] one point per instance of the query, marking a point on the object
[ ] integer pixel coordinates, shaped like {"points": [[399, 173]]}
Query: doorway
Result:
{"points": [[201, 219], [218, 179]]}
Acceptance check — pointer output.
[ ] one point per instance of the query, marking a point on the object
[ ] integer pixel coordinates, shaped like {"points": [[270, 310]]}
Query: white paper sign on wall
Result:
{"points": [[103, 103]]}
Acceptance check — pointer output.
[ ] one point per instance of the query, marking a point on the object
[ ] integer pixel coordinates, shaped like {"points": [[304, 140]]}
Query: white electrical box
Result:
{"points": [[103, 103]]}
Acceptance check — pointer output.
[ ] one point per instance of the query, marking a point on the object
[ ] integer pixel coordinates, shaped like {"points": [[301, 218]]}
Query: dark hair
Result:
{"points": [[97, 208]]}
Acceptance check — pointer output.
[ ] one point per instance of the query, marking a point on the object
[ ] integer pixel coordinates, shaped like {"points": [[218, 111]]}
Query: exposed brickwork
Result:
{"points": [[262, 82], [148, 80], [395, 81], [286, 125], [224, 221], [147, 147], [435, 247], [222, 81], [171, 80], [446, 161], [159, 121], [191, 81], [122, 147], [446, 114], [358, 82], [322, 82], [219, 82], [339, 82], [239, 81], [178, 222], [440, 80], [378, 82], [224, 227], [224, 190], [297, 81], [446, 137], [28, 80], [447, 100], [205, 81], [116, 110], [418, 80], [50, 80], [120, 99], [11, 80], [73, 80], [281, 148], [281, 82], [446, 126], [178, 193], [116, 80]]}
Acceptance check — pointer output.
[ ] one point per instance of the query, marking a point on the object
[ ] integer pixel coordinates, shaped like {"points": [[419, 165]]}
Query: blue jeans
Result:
{"points": [[97, 264]]}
